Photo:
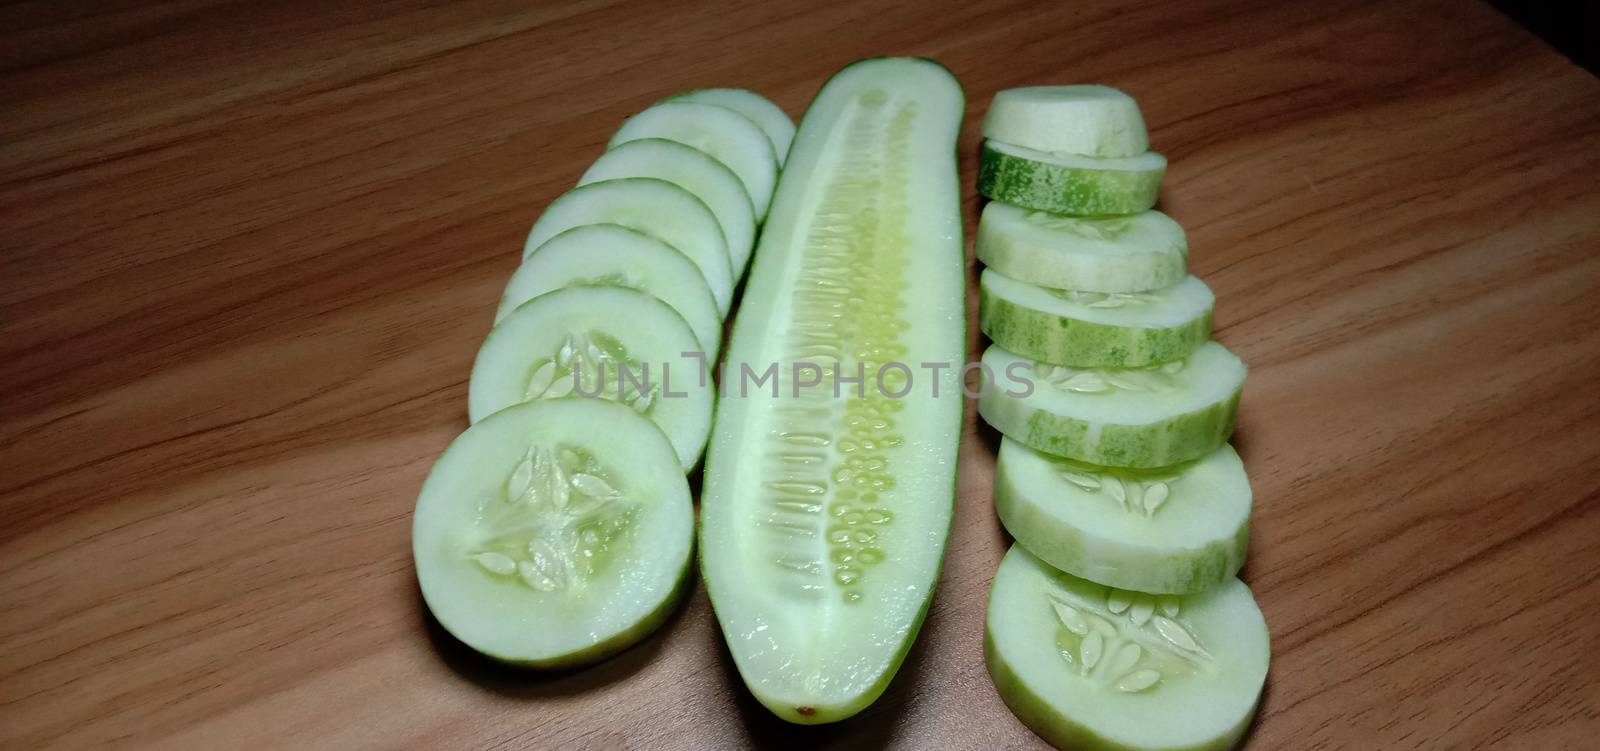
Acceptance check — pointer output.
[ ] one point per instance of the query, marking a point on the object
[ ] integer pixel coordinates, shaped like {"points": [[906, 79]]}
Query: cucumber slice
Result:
{"points": [[724, 134], [579, 341], [1133, 253], [824, 516], [554, 533], [1138, 417], [1085, 666], [1070, 184], [1085, 119], [1173, 531], [655, 207], [772, 120], [693, 170], [1095, 329], [595, 255]]}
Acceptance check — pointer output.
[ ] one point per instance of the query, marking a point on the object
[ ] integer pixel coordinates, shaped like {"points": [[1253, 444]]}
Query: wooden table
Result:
{"points": [[251, 248]]}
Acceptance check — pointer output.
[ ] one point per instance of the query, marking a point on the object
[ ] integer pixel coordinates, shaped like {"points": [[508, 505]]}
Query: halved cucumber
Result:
{"points": [[554, 533], [730, 137], [655, 207], [695, 171], [1176, 530], [597, 255], [772, 119], [1090, 667], [824, 514], [1068, 183], [1095, 329], [1083, 119], [1138, 417], [606, 342], [1133, 253]]}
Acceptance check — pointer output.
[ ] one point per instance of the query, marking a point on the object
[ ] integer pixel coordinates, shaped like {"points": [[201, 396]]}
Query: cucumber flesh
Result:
{"points": [[771, 118], [1177, 530], [1068, 183], [598, 255], [1133, 417], [729, 137], [608, 342], [693, 170], [1086, 666], [1095, 329], [554, 533], [1133, 253], [655, 207], [1083, 119], [823, 517]]}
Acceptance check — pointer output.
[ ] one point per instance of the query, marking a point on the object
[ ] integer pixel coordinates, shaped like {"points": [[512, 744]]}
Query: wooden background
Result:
{"points": [[249, 250]]}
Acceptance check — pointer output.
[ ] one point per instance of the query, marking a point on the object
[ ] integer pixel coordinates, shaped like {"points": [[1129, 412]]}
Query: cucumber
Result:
{"points": [[575, 340], [1068, 183], [824, 515], [1133, 253], [1138, 417], [693, 170], [772, 120], [596, 255], [726, 135], [554, 533], [655, 207], [1084, 119], [1173, 531], [1089, 667], [1095, 329]]}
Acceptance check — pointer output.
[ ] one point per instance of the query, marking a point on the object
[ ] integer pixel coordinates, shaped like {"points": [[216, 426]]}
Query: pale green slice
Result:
{"points": [[1089, 667], [824, 515], [1081, 119], [1133, 253], [554, 533], [597, 255], [1095, 329], [770, 117], [726, 135], [1134, 417], [608, 343], [693, 170], [1068, 183], [1174, 530]]}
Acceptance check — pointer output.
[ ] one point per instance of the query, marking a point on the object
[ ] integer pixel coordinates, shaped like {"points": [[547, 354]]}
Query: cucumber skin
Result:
{"points": [[1069, 550], [1060, 340], [1065, 190], [1059, 731], [1173, 441]]}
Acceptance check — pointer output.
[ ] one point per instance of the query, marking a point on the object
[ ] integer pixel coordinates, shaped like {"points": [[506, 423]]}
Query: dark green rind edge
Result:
{"points": [[1062, 340], [1174, 440], [1065, 190]]}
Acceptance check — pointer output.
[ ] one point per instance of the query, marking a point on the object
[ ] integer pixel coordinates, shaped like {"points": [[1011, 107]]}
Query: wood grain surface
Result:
{"points": [[250, 249]]}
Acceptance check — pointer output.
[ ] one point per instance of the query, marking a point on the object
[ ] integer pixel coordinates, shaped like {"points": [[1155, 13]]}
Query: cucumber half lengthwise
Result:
{"points": [[824, 515], [554, 533], [1090, 667]]}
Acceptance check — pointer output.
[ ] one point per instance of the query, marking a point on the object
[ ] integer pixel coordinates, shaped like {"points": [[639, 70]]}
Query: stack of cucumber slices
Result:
{"points": [[558, 528], [1116, 620]]}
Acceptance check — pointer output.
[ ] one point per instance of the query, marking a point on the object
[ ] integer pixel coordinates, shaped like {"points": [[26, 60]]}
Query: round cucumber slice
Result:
{"points": [[605, 342], [1068, 183], [1086, 666], [1133, 253], [721, 132], [655, 207], [1085, 119], [1156, 416], [693, 170], [770, 117], [554, 533], [1095, 329], [595, 255], [1172, 531]]}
